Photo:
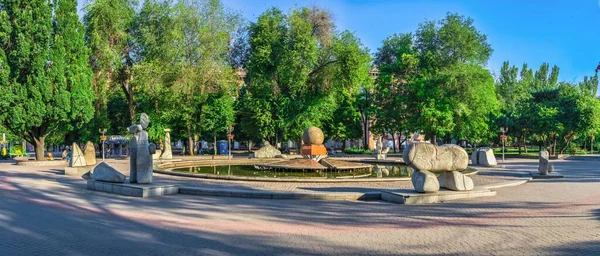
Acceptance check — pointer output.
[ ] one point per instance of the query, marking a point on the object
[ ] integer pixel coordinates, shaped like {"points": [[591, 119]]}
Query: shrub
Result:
{"points": [[354, 150]]}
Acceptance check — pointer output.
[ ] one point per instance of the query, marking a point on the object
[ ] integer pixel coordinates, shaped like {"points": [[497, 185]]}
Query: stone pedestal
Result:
{"points": [[313, 150], [135, 190]]}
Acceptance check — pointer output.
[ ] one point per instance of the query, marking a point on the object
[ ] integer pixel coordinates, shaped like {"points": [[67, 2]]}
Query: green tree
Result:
{"points": [[297, 66], [437, 78], [218, 114], [183, 52], [108, 27], [47, 84]]}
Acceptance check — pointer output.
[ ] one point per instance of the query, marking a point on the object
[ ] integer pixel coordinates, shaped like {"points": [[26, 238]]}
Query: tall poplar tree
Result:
{"points": [[45, 77]]}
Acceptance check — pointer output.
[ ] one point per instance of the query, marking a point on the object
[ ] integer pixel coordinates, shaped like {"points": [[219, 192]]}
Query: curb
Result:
{"points": [[375, 195]]}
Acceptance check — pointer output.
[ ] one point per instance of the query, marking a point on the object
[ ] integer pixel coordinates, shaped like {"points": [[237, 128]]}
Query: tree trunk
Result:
{"points": [[525, 142], [190, 140], [554, 145], [40, 148], [567, 142], [215, 143], [131, 107], [394, 142], [366, 134], [520, 143]]}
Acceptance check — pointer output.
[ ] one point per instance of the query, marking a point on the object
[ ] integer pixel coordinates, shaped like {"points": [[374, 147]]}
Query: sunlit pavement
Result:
{"points": [[43, 213]]}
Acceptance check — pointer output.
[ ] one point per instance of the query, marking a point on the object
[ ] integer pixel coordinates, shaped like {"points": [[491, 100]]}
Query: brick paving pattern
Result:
{"points": [[43, 213]]}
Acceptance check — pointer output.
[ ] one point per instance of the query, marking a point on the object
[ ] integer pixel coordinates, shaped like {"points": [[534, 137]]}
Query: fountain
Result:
{"points": [[314, 157]]}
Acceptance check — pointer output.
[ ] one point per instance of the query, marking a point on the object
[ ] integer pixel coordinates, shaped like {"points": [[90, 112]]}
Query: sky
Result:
{"points": [[565, 33]]}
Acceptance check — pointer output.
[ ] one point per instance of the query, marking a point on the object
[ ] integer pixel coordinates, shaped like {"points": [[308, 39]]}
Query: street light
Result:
{"points": [[102, 139], [503, 130]]}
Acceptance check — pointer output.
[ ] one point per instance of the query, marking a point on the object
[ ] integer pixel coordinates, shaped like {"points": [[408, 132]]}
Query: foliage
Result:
{"points": [[434, 81], [297, 68], [353, 150], [45, 76]]}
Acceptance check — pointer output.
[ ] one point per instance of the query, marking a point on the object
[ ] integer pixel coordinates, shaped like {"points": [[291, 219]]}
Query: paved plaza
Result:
{"points": [[44, 213]]}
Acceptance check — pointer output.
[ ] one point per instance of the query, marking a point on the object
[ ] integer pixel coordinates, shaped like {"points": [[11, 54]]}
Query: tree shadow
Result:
{"points": [[63, 221]]}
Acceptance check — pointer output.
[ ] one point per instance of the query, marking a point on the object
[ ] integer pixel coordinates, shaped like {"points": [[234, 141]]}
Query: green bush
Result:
{"points": [[354, 150]]}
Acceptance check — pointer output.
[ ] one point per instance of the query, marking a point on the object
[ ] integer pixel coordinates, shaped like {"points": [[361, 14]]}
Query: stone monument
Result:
{"points": [[380, 153], [313, 147], [104, 172], [484, 156], [267, 151], [77, 157], [90, 153], [140, 157], [426, 158], [544, 162], [167, 153]]}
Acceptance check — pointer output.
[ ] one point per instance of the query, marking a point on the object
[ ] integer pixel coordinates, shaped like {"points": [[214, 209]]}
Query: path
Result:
{"points": [[42, 213]]}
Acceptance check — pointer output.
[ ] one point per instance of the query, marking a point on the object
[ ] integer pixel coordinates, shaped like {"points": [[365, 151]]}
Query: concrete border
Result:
{"points": [[553, 175], [413, 197], [135, 190], [375, 195], [242, 178], [58, 162], [168, 171]]}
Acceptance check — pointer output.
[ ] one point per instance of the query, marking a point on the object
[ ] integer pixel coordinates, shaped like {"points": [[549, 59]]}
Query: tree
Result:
{"points": [[108, 25], [183, 57], [218, 115], [46, 85], [297, 66], [397, 63], [437, 78]]}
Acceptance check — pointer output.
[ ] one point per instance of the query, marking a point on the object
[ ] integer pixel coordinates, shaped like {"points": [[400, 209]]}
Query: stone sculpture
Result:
{"points": [[267, 151], [77, 157], [455, 181], [425, 182], [483, 156], [140, 153], [313, 147], [544, 162], [426, 158], [379, 152], [90, 153], [167, 153], [104, 172]]}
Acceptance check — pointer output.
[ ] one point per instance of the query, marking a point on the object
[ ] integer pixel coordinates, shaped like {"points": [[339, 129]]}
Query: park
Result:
{"points": [[214, 127]]}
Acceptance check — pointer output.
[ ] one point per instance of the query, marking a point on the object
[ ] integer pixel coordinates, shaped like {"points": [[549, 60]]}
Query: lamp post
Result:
{"points": [[503, 130], [229, 140], [102, 139]]}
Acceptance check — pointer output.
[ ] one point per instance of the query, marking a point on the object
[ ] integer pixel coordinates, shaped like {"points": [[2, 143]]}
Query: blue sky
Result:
{"points": [[565, 33]]}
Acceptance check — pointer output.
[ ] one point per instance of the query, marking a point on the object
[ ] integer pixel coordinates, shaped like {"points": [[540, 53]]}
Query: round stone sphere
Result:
{"points": [[313, 136]]}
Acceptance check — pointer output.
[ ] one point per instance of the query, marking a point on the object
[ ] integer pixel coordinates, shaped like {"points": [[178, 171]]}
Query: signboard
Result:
{"points": [[503, 137], [103, 137], [230, 136]]}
